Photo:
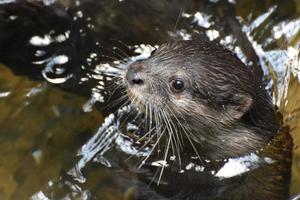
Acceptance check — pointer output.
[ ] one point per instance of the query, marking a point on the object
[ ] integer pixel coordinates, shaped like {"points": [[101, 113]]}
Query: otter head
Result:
{"points": [[205, 91]]}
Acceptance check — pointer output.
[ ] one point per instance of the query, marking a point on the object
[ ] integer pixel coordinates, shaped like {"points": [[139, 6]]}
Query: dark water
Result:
{"points": [[46, 126]]}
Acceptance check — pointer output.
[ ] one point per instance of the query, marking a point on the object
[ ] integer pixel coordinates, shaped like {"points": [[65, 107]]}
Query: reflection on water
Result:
{"points": [[50, 140], [101, 142], [289, 106], [41, 128]]}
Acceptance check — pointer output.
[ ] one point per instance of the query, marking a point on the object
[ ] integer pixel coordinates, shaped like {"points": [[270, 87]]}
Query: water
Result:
{"points": [[53, 88]]}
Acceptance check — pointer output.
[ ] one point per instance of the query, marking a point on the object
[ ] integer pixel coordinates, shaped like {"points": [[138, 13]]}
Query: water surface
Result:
{"points": [[53, 97]]}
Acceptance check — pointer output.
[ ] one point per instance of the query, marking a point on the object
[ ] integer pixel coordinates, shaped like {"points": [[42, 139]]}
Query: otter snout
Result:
{"points": [[135, 75], [134, 78]]}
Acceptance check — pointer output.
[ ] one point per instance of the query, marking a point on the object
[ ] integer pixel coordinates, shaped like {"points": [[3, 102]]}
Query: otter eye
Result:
{"points": [[177, 85]]}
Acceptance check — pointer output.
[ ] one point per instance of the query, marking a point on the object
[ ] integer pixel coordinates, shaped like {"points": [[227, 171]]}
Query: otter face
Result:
{"points": [[159, 87], [204, 92], [194, 82]]}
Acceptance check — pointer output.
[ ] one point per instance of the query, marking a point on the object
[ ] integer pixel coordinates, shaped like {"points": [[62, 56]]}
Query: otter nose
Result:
{"points": [[134, 74], [134, 78]]}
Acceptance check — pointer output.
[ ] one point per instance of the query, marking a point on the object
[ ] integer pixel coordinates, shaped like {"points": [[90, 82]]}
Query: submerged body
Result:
{"points": [[215, 123]]}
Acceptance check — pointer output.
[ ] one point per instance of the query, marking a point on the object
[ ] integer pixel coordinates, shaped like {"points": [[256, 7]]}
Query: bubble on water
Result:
{"points": [[13, 17], [202, 19], [144, 51], [53, 69], [189, 166], [184, 35], [39, 196], [105, 69], [212, 34], [160, 163], [40, 41], [79, 14], [237, 166], [199, 168], [4, 94], [37, 155], [97, 146]]}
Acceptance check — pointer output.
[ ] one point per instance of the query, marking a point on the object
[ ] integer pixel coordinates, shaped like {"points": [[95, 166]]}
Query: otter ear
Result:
{"points": [[241, 104]]}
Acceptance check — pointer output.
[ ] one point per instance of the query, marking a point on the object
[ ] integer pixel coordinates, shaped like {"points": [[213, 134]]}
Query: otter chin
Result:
{"points": [[208, 108]]}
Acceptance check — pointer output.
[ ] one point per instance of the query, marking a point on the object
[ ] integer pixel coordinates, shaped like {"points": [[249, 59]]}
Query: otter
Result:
{"points": [[208, 109], [210, 113]]}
